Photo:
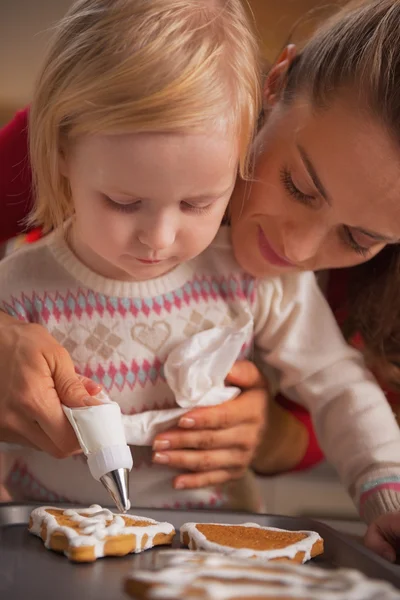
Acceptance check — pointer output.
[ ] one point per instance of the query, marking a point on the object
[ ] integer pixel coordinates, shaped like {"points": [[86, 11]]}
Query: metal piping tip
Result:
{"points": [[116, 483]]}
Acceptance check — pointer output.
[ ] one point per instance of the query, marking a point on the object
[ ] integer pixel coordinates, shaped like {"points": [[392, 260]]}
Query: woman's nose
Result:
{"points": [[302, 244]]}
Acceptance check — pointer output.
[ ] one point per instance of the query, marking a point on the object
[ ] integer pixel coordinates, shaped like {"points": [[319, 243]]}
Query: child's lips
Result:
{"points": [[149, 262], [269, 254]]}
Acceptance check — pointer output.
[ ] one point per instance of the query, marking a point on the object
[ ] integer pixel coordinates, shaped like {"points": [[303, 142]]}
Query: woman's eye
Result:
{"points": [[293, 190], [123, 207], [349, 240]]}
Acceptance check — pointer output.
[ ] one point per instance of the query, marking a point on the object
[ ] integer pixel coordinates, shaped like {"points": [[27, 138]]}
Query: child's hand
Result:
{"points": [[383, 536], [217, 443], [36, 375]]}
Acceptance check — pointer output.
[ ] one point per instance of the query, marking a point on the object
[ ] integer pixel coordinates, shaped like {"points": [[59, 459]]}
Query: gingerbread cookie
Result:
{"points": [[183, 575], [250, 540], [89, 533]]}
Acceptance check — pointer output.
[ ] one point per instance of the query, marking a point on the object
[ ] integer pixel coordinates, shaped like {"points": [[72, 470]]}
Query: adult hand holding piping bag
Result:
{"points": [[38, 377]]}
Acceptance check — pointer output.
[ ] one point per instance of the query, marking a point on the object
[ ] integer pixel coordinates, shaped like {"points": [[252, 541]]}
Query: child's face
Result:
{"points": [[145, 203], [326, 191]]}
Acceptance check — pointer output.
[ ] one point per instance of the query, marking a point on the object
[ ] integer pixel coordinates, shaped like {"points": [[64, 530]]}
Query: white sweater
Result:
{"points": [[120, 334]]}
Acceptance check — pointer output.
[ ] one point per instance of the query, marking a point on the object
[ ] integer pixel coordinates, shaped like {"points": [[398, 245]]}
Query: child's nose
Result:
{"points": [[158, 236]]}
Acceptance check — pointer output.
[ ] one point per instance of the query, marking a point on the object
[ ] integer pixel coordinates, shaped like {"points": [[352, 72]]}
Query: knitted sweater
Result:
{"points": [[120, 334]]}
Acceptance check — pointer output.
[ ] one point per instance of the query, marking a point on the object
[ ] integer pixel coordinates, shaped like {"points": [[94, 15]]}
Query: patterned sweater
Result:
{"points": [[120, 334]]}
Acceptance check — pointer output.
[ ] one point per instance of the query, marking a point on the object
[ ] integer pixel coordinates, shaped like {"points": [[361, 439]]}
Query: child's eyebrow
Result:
{"points": [[211, 194], [194, 198], [313, 174]]}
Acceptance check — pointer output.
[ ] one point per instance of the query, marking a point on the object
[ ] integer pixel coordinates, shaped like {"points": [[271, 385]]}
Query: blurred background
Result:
{"points": [[25, 26]]}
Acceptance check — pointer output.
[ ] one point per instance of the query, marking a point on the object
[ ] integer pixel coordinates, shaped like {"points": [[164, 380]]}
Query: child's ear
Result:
{"points": [[275, 79]]}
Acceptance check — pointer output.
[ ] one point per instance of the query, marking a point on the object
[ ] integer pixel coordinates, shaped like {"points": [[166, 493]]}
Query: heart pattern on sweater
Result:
{"points": [[152, 337]]}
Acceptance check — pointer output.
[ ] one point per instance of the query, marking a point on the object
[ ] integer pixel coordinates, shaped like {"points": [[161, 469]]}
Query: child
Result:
{"points": [[143, 114]]}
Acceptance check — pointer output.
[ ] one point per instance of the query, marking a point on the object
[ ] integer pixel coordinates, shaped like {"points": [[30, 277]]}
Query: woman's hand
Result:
{"points": [[217, 443], [37, 375], [383, 536]]}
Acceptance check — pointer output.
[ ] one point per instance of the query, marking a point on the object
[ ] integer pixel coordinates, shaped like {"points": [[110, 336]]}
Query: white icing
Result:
{"points": [[186, 575], [202, 543], [96, 528]]}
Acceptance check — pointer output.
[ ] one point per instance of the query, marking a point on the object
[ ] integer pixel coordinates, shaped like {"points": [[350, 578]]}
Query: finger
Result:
{"points": [[45, 409], [91, 386], [242, 436], [244, 374], [375, 541], [30, 434], [249, 407], [196, 460], [199, 480], [70, 389], [8, 437]]}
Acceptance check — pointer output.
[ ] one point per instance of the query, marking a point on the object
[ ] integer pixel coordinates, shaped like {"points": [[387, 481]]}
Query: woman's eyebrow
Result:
{"points": [[313, 174], [320, 187]]}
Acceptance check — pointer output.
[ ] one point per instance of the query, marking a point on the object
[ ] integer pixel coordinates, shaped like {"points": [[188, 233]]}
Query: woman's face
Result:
{"points": [[325, 191]]}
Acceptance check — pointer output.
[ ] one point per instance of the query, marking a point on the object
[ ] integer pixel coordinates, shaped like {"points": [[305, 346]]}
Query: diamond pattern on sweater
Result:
{"points": [[43, 308]]}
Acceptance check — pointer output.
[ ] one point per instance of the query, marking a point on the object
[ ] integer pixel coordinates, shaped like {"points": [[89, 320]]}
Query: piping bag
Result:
{"points": [[101, 436]]}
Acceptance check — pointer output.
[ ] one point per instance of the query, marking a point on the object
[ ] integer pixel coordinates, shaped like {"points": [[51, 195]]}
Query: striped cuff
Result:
{"points": [[379, 496]]}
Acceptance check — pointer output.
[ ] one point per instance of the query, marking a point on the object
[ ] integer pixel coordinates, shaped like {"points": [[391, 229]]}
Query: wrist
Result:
{"points": [[283, 445]]}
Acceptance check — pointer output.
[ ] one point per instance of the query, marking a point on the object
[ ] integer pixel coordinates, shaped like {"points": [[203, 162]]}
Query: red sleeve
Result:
{"points": [[15, 177]]}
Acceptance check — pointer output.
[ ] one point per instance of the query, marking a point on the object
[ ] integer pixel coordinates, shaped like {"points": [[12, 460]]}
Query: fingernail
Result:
{"points": [[161, 458], [161, 445], [186, 422], [179, 485], [89, 401]]}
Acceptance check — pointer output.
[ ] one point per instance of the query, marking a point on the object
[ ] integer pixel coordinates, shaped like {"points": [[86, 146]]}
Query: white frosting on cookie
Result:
{"points": [[95, 528], [184, 575], [202, 543]]}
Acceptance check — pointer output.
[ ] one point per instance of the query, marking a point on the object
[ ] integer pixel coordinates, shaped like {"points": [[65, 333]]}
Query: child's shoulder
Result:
{"points": [[25, 266], [26, 254]]}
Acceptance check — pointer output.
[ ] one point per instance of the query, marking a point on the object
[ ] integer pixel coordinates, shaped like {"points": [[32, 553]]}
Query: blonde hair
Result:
{"points": [[134, 66]]}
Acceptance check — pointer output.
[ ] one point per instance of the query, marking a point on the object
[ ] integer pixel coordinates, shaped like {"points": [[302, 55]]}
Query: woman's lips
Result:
{"points": [[269, 253]]}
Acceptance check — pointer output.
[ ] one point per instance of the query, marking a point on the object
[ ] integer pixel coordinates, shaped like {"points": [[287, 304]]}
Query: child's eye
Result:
{"points": [[123, 207], [294, 191], [349, 240], [187, 207]]}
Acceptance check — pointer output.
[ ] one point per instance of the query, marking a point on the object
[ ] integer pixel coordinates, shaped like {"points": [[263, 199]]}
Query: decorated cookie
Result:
{"points": [[89, 533], [250, 540], [184, 575]]}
